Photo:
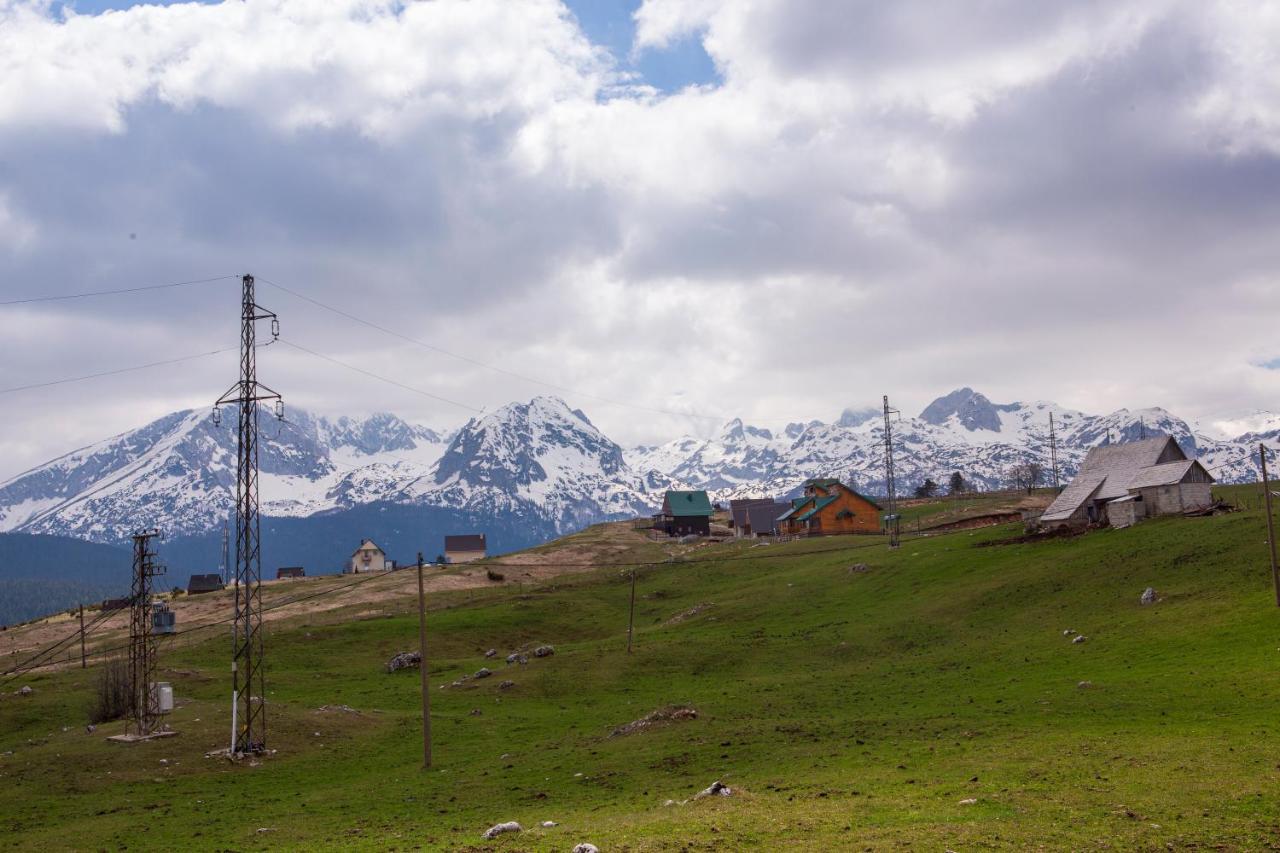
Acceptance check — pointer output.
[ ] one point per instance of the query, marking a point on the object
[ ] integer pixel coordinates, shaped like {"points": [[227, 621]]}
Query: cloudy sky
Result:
{"points": [[766, 208]]}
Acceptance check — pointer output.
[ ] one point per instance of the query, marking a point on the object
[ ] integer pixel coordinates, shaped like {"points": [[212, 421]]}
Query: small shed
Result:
{"points": [[200, 584], [368, 558], [465, 548], [290, 572], [684, 513]]}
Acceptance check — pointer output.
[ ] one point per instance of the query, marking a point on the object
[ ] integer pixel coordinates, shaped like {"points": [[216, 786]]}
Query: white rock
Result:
{"points": [[25, 691], [969, 802], [1079, 638], [502, 828], [547, 824], [715, 789], [1148, 596], [586, 848]]}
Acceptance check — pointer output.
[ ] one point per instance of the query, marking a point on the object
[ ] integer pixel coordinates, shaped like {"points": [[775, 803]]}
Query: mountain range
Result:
{"points": [[529, 471]]}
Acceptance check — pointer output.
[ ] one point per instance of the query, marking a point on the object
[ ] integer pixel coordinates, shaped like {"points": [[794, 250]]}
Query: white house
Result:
{"points": [[1120, 484], [368, 558]]}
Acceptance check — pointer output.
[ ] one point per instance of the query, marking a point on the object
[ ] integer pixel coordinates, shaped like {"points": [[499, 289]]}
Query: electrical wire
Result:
{"points": [[115, 372], [92, 293], [486, 365], [380, 378]]}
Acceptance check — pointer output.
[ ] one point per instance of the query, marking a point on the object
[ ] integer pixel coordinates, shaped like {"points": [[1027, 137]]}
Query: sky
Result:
{"points": [[667, 212]]}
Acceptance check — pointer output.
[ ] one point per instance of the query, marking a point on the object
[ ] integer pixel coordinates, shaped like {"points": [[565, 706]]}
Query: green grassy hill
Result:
{"points": [[931, 699]]}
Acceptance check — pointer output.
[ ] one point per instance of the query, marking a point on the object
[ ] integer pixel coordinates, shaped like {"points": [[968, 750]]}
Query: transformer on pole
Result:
{"points": [[144, 700], [248, 677]]}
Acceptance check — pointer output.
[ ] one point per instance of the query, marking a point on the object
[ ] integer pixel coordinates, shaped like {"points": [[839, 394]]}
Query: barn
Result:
{"points": [[829, 507], [290, 572], [684, 513], [1121, 484]]}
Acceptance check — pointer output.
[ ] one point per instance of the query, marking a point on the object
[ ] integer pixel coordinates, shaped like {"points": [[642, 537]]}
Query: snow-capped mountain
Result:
{"points": [[538, 460], [961, 431], [542, 466]]}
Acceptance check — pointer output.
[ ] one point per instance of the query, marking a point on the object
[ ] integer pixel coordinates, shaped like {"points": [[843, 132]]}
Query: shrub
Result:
{"points": [[111, 692], [496, 576]]}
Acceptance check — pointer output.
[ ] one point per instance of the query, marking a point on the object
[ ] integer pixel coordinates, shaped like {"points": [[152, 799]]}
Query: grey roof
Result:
{"points": [[763, 517], [1168, 474], [739, 507], [1111, 470]]}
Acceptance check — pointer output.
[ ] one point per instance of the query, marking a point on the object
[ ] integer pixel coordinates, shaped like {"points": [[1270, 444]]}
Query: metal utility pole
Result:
{"points": [[892, 501], [1053, 452], [1271, 531], [631, 617], [83, 662], [422, 650], [248, 681], [143, 704]]}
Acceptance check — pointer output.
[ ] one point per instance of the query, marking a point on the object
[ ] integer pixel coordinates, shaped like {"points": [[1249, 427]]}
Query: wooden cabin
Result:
{"points": [[829, 507], [684, 514]]}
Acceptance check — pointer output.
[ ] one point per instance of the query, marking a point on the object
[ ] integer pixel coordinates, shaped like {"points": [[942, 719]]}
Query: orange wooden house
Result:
{"points": [[829, 507]]}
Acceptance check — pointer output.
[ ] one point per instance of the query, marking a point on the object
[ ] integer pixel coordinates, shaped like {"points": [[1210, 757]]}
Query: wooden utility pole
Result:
{"points": [[422, 650], [1271, 531], [82, 657], [631, 618]]}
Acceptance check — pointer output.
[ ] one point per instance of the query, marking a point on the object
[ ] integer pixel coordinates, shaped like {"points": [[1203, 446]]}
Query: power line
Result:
{"points": [[114, 372], [88, 294], [380, 378], [487, 366]]}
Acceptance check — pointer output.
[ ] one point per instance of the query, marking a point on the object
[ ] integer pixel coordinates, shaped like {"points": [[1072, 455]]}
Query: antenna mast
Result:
{"points": [[248, 679]]}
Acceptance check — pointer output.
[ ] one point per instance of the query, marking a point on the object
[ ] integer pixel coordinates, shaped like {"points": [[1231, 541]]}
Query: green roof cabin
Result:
{"points": [[684, 514]]}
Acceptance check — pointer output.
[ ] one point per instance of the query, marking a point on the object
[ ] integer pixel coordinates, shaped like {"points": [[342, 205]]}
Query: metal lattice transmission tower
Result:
{"points": [[248, 675], [1053, 452], [144, 708], [891, 491]]}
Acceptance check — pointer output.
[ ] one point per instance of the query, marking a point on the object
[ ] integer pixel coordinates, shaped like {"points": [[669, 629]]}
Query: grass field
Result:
{"points": [[930, 700]]}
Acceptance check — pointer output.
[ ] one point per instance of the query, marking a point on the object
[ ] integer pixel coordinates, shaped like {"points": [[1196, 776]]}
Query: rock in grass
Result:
{"points": [[26, 690], [516, 657], [1079, 638], [969, 801], [506, 685], [548, 824], [404, 660], [483, 672], [715, 789], [669, 714], [586, 848], [1085, 685], [1148, 596], [1068, 632], [502, 828], [492, 653], [544, 651]]}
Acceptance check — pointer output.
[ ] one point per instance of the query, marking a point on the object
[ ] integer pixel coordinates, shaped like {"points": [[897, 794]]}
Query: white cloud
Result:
{"points": [[912, 196]]}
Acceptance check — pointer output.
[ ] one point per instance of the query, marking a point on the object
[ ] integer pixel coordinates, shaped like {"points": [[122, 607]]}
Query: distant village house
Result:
{"points": [[751, 518], [829, 507], [204, 583], [684, 514], [465, 549], [290, 572], [368, 558], [1120, 484]]}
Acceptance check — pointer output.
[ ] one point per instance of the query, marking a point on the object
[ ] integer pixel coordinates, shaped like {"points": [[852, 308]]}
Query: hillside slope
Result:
{"points": [[928, 697]]}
